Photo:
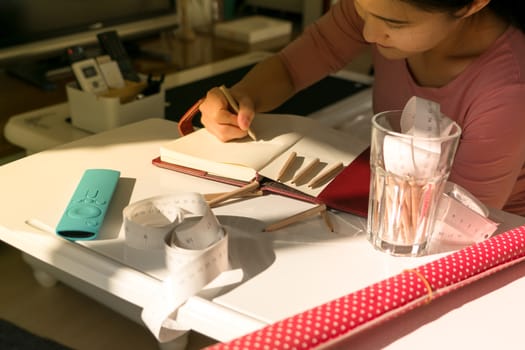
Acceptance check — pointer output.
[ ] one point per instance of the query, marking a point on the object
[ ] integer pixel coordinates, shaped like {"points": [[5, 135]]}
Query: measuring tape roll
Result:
{"points": [[195, 245], [149, 221]]}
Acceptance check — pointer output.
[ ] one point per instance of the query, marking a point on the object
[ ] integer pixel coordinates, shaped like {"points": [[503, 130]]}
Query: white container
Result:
{"points": [[96, 113]]}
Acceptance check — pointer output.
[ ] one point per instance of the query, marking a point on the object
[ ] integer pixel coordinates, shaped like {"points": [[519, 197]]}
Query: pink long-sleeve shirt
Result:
{"points": [[487, 100]]}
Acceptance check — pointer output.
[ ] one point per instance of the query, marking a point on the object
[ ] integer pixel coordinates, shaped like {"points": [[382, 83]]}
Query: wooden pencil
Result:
{"points": [[325, 175], [305, 171], [327, 220], [296, 218], [286, 165], [210, 196], [252, 186]]}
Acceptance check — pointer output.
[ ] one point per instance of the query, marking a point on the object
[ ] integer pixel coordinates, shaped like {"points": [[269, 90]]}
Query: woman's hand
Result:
{"points": [[221, 120], [265, 87]]}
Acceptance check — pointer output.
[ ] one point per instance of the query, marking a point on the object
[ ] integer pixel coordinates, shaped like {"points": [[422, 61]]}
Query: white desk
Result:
{"points": [[287, 271]]}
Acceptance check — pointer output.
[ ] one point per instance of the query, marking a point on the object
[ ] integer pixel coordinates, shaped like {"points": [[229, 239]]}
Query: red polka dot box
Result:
{"points": [[346, 316]]}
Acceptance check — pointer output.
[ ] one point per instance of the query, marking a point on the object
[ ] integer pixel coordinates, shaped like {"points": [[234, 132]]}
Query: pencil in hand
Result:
{"points": [[235, 106]]}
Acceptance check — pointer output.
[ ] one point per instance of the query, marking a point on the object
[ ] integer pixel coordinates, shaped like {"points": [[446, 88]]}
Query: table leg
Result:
{"points": [[44, 278]]}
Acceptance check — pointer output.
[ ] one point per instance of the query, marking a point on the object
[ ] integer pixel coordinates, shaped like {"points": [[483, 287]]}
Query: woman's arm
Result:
{"points": [[268, 85], [325, 47], [491, 154]]}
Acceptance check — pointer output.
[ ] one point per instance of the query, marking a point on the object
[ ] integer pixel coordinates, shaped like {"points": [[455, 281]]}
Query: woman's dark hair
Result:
{"points": [[512, 11]]}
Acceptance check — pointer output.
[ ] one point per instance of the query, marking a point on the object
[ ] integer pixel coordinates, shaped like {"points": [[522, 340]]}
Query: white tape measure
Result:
{"points": [[195, 246], [418, 154], [461, 218]]}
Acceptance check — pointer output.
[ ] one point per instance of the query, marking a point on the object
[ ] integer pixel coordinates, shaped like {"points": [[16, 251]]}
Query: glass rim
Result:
{"points": [[376, 125]]}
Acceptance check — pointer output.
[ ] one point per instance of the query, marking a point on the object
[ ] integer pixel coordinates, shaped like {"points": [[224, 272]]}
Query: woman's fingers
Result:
{"points": [[221, 121], [246, 113]]}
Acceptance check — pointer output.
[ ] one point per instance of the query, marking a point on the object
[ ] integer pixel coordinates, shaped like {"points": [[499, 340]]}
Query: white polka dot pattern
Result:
{"points": [[386, 299]]}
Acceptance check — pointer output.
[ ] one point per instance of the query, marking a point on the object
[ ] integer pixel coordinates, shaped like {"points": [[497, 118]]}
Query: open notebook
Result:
{"points": [[240, 161]]}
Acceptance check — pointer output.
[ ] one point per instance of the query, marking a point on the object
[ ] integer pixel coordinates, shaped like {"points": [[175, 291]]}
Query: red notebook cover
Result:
{"points": [[349, 190]]}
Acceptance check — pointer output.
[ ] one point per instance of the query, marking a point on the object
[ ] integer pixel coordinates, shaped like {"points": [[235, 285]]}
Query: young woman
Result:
{"points": [[467, 55]]}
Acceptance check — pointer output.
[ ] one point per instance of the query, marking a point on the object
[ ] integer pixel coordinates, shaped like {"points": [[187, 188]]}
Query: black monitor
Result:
{"points": [[39, 29]]}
